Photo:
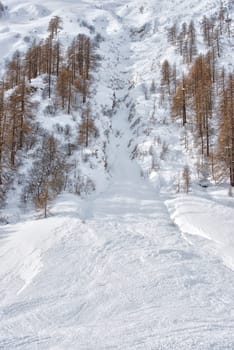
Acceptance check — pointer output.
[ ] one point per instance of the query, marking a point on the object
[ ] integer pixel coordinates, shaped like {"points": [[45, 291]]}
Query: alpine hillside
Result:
{"points": [[116, 175]]}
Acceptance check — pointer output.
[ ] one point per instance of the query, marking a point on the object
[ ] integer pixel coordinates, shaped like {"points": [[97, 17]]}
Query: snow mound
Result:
{"points": [[28, 12], [29, 245], [206, 223]]}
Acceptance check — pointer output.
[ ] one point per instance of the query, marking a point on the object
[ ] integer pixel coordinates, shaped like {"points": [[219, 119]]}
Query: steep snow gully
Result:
{"points": [[113, 271]]}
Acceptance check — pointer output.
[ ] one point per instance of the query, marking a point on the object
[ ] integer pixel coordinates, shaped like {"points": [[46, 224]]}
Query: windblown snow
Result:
{"points": [[132, 266]]}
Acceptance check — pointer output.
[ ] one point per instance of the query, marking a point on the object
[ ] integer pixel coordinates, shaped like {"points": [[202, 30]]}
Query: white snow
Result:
{"points": [[132, 266], [203, 217], [112, 272]]}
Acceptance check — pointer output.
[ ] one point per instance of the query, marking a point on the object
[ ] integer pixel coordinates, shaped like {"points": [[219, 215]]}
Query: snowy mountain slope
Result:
{"points": [[124, 278], [129, 280], [112, 271]]}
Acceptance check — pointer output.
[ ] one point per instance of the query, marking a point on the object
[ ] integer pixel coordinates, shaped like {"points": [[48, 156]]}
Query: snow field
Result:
{"points": [[121, 269]]}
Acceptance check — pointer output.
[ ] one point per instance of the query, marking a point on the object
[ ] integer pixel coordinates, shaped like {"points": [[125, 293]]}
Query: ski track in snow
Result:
{"points": [[112, 272]]}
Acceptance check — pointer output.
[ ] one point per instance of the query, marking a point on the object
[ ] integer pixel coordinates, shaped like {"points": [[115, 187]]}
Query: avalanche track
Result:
{"points": [[112, 271]]}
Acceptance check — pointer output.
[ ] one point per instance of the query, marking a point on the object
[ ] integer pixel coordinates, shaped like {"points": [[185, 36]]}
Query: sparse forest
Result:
{"points": [[66, 83], [201, 96], [199, 93]]}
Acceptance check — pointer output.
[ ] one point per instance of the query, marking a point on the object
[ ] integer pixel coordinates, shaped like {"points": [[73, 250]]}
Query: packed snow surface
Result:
{"points": [[128, 267], [119, 277]]}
